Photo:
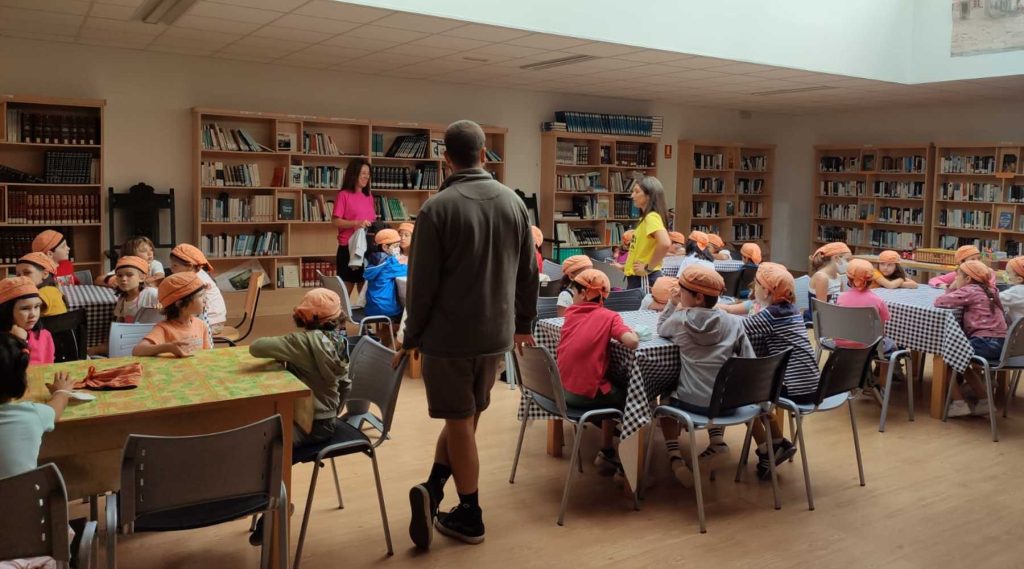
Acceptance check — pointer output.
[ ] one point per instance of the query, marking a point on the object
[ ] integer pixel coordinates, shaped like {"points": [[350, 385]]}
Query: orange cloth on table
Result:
{"points": [[700, 238], [662, 289], [192, 255], [977, 271], [627, 238], [777, 280], [576, 263], [47, 241], [319, 305], [715, 240], [178, 286], [1016, 265], [964, 252], [16, 287], [702, 279], [41, 260], [538, 235], [169, 331], [833, 249], [859, 272], [133, 262], [595, 282], [889, 257], [752, 251], [121, 377], [677, 237]]}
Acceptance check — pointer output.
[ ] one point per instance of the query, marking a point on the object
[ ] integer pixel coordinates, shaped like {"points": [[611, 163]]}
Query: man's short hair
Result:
{"points": [[463, 141]]}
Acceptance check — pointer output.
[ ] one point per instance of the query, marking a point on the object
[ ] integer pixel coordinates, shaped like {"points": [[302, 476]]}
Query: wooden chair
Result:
{"points": [[233, 334]]}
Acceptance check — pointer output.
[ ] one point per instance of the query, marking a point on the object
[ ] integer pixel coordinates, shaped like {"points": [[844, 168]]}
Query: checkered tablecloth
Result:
{"points": [[916, 323], [98, 302], [670, 265], [651, 370]]}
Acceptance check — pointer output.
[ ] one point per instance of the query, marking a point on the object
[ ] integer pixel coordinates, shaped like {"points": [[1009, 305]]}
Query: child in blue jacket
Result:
{"points": [[382, 268]]}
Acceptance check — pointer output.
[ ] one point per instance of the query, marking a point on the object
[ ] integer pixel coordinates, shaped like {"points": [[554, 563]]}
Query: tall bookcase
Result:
{"points": [[51, 176], [979, 197], [289, 169], [873, 197], [585, 190], [726, 188]]}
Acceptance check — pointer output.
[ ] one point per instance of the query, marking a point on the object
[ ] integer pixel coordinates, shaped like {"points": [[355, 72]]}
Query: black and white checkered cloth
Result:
{"points": [[916, 323], [670, 266], [651, 370], [98, 302]]}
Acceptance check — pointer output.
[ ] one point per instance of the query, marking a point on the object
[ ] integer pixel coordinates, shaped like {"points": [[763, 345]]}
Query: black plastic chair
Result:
{"points": [[600, 254], [846, 372], [70, 336], [746, 279], [624, 300], [746, 389], [732, 282], [550, 289]]}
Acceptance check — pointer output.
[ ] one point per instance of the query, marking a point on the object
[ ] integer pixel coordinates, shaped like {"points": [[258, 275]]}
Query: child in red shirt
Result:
{"points": [[583, 355], [54, 245]]}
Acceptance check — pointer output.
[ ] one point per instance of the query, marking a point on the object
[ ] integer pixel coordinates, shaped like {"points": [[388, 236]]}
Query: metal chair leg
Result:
{"points": [[337, 485], [305, 516], [792, 429], [803, 457], [696, 478], [568, 477], [519, 448], [746, 450], [1011, 391], [641, 485], [269, 523], [282, 528], [990, 394], [771, 460], [886, 394], [111, 505], [910, 387], [949, 398], [380, 499], [577, 433], [252, 523], [856, 440]]}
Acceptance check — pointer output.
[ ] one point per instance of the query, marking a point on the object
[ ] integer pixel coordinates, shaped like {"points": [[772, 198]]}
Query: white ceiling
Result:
{"points": [[347, 38]]}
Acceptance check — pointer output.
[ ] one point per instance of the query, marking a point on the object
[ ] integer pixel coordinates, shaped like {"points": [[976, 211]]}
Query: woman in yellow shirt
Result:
{"points": [[650, 238]]}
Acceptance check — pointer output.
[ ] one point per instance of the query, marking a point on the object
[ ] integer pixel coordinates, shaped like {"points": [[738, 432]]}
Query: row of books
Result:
{"points": [[320, 143], [257, 243], [624, 207], [901, 215], [568, 152], [390, 209], [216, 137], [891, 189], [751, 209], [976, 192], [587, 207], [915, 164], [957, 241], [14, 243], [706, 228], [52, 128], [706, 161], [233, 175], [614, 231], [584, 182], [1015, 194], [748, 232], [848, 235], [317, 208], [840, 212], [321, 176], [579, 236], [410, 146], [895, 239], [422, 177], [968, 219], [622, 182], [708, 185], [9, 174], [841, 188], [634, 154], [967, 164], [754, 163], [839, 164], [603, 123], [309, 269], [706, 209], [45, 208], [71, 168], [492, 156], [225, 208], [748, 186]]}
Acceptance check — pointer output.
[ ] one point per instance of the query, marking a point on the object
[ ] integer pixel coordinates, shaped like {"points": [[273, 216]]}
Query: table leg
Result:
{"points": [[556, 437], [940, 383], [285, 408]]}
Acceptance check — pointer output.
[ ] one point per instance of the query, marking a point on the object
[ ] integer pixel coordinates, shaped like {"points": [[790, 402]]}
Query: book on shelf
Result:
{"points": [[438, 148], [748, 232], [46, 208], [492, 156], [15, 243], [231, 175], [1009, 163], [750, 186], [225, 208], [582, 182], [841, 188], [377, 144], [967, 164], [706, 209], [624, 208], [613, 233], [286, 209], [708, 161], [390, 209], [708, 185], [295, 175], [288, 276], [634, 154], [317, 208], [915, 164], [614, 124], [310, 268], [622, 182], [895, 239], [901, 215], [868, 162], [216, 137], [968, 219], [955, 241], [893, 189], [422, 177], [1006, 220], [753, 163], [9, 174], [70, 168], [553, 126], [324, 177], [32, 126], [1015, 193], [321, 144], [838, 164], [571, 153], [409, 146], [850, 235], [285, 142], [258, 243], [970, 192]]}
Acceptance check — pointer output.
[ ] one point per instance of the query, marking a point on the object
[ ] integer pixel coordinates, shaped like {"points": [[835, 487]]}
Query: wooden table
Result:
{"points": [[212, 391]]}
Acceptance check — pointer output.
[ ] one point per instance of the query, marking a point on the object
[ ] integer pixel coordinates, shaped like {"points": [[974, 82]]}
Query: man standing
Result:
{"points": [[472, 294]]}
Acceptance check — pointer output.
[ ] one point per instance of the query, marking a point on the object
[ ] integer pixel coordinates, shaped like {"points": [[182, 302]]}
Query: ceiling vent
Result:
{"points": [[558, 62], [163, 11], [793, 91]]}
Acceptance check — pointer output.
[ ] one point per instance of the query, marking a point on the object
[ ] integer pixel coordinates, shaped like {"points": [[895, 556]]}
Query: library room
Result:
{"points": [[389, 284]]}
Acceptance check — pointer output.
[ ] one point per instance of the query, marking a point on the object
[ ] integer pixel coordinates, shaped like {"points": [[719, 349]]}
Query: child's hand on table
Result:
{"points": [[62, 382], [181, 348]]}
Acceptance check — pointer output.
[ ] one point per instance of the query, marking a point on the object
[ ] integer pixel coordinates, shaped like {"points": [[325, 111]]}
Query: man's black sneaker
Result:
{"points": [[463, 522], [256, 536], [424, 509]]}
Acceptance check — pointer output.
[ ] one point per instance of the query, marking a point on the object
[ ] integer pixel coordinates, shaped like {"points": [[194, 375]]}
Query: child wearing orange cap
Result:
{"points": [[182, 332], [20, 311], [40, 269], [984, 322], [405, 232], [678, 244], [751, 254], [777, 328], [889, 273], [706, 339], [381, 270], [583, 356], [827, 264], [53, 244], [696, 252], [620, 253], [136, 302], [142, 247], [188, 258], [716, 248], [1013, 297], [861, 273], [660, 294], [962, 255], [571, 267]]}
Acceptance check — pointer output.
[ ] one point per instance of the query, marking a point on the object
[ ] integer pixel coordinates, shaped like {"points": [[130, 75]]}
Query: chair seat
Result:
{"points": [[827, 405], [574, 414], [737, 416], [346, 440], [229, 333], [202, 515], [827, 343]]}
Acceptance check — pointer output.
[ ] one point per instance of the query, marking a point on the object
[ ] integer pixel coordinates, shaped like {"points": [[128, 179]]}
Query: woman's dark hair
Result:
{"points": [[656, 199], [142, 283], [13, 364], [7, 313], [693, 249], [351, 178], [173, 311]]}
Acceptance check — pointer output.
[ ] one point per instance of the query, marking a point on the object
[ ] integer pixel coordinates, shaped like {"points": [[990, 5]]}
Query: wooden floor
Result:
{"points": [[937, 495]]}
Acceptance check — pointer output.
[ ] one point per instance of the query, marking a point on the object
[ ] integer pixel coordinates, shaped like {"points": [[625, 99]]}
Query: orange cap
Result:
{"points": [[976, 270], [319, 305], [859, 272], [595, 282], [177, 287], [133, 262], [538, 235], [964, 252], [700, 237], [777, 280], [662, 289], [41, 260], [47, 241], [406, 227], [715, 240], [1016, 265], [17, 287], [833, 249], [889, 257], [627, 238], [752, 251], [702, 279], [677, 237], [575, 264], [387, 237], [192, 255]]}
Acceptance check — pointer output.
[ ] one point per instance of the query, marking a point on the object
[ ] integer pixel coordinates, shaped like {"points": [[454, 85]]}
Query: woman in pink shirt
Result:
{"points": [[353, 209]]}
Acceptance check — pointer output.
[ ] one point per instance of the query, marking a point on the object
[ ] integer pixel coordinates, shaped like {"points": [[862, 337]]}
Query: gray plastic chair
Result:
{"points": [[1011, 360], [863, 325], [181, 483], [801, 285], [547, 307], [846, 371], [552, 270], [541, 383], [732, 282], [746, 389], [616, 277], [624, 300], [35, 523], [373, 381]]}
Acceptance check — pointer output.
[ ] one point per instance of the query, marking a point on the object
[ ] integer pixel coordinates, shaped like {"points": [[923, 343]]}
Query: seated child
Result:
{"points": [[583, 356], [405, 231], [133, 296], [889, 273], [1013, 297], [778, 327], [962, 255], [382, 268], [620, 254], [706, 339], [716, 247], [677, 244], [696, 252], [660, 294], [39, 268], [752, 305], [139, 246], [538, 242], [860, 273], [985, 325], [20, 311], [826, 265], [751, 254], [52, 244], [182, 332], [571, 267], [189, 258]]}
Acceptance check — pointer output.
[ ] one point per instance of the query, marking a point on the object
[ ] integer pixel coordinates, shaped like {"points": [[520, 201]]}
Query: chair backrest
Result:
{"points": [[747, 278], [374, 380], [166, 473], [547, 307], [614, 274], [84, 276], [550, 289], [860, 324], [123, 337], [69, 333], [552, 269], [846, 369], [36, 522], [334, 283], [801, 286], [732, 282], [252, 301], [538, 373], [600, 254], [746, 381], [1013, 347], [624, 300]]}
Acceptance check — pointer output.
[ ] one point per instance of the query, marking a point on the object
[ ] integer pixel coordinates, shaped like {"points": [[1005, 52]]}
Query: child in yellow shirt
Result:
{"points": [[40, 269]]}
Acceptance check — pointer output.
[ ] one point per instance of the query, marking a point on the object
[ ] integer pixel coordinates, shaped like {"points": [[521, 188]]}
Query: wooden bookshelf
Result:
{"points": [[873, 197], [979, 197], [726, 188], [30, 128], [597, 175], [309, 239]]}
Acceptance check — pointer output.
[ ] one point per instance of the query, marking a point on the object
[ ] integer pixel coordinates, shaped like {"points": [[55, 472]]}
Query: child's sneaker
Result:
{"points": [[981, 408], [424, 505], [463, 522], [958, 408], [607, 463]]}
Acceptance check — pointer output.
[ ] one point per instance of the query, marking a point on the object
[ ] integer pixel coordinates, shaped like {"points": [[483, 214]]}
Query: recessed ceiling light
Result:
{"points": [[796, 90], [163, 11], [476, 59], [558, 62]]}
